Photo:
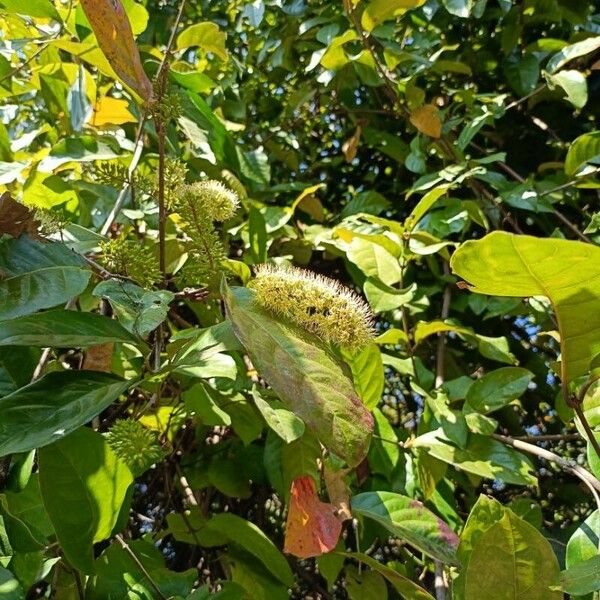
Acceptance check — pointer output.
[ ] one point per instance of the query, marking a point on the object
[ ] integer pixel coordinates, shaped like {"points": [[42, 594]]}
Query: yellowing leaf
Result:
{"points": [[379, 11], [426, 120], [207, 36], [113, 31], [113, 111], [312, 528], [350, 146]]}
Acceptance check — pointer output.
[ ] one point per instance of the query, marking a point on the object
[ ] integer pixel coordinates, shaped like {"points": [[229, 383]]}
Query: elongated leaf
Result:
{"points": [[32, 8], [567, 272], [115, 38], [367, 373], [54, 406], [63, 328], [585, 148], [379, 11], [512, 551], [83, 486], [36, 275], [283, 422], [482, 456], [409, 589], [583, 578], [251, 538], [307, 377], [568, 53], [498, 388], [410, 520]]}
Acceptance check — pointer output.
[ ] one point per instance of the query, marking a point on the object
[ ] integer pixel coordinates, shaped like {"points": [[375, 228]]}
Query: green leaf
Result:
{"points": [[304, 374], [140, 311], [206, 36], [409, 520], [63, 328], [409, 589], [567, 272], [367, 374], [583, 578], [522, 72], [370, 202], [36, 275], [383, 298], [118, 575], [574, 84], [496, 389], [10, 588], [459, 8], [83, 486], [425, 204], [42, 9], [365, 585], [583, 544], [512, 550], [568, 53], [54, 406], [374, 260], [283, 422], [484, 514], [482, 456], [253, 540], [379, 11], [584, 149]]}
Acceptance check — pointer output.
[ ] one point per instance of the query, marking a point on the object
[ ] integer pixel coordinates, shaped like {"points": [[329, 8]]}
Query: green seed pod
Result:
{"points": [[318, 304]]}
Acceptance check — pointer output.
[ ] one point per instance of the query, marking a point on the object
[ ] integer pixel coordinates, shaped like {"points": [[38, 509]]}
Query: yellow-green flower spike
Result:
{"points": [[318, 304], [215, 200]]}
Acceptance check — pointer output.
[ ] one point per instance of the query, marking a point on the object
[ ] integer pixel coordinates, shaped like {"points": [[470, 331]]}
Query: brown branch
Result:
{"points": [[568, 465]]}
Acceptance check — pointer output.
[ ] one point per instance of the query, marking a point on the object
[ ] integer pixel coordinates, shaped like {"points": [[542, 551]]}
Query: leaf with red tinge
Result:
{"points": [[112, 28], [312, 528]]}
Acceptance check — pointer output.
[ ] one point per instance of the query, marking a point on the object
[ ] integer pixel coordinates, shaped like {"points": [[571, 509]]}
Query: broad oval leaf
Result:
{"points": [[583, 544], [585, 148], [304, 374], [54, 406], [512, 551], [496, 389], [367, 373], [411, 521], [283, 422], [115, 38], [482, 456], [83, 486], [583, 578], [63, 328], [36, 275], [567, 272]]}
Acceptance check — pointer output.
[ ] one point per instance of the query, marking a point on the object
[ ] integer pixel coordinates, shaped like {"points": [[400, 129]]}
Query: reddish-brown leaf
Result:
{"points": [[426, 120], [111, 25], [16, 219], [99, 358], [312, 527]]}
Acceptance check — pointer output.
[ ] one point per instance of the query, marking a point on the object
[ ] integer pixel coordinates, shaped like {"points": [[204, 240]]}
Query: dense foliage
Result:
{"points": [[402, 402]]}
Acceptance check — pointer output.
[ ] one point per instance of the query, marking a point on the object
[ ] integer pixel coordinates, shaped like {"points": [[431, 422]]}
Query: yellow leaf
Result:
{"points": [[426, 120], [350, 146], [113, 111], [207, 36], [378, 11]]}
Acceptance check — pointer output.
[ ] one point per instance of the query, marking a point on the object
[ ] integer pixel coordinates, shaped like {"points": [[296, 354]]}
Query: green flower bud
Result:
{"points": [[135, 445], [318, 304]]}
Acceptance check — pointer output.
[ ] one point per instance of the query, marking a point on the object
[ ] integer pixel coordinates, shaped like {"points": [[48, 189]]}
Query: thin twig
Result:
{"points": [[568, 465], [591, 438], [552, 437], [525, 98], [141, 567]]}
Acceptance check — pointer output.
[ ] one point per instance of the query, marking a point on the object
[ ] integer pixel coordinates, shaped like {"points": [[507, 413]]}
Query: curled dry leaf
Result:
{"points": [[16, 219], [111, 25], [312, 527]]}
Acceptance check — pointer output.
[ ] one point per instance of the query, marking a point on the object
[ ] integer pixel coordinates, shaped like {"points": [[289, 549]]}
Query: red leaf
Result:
{"points": [[312, 527], [113, 31]]}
